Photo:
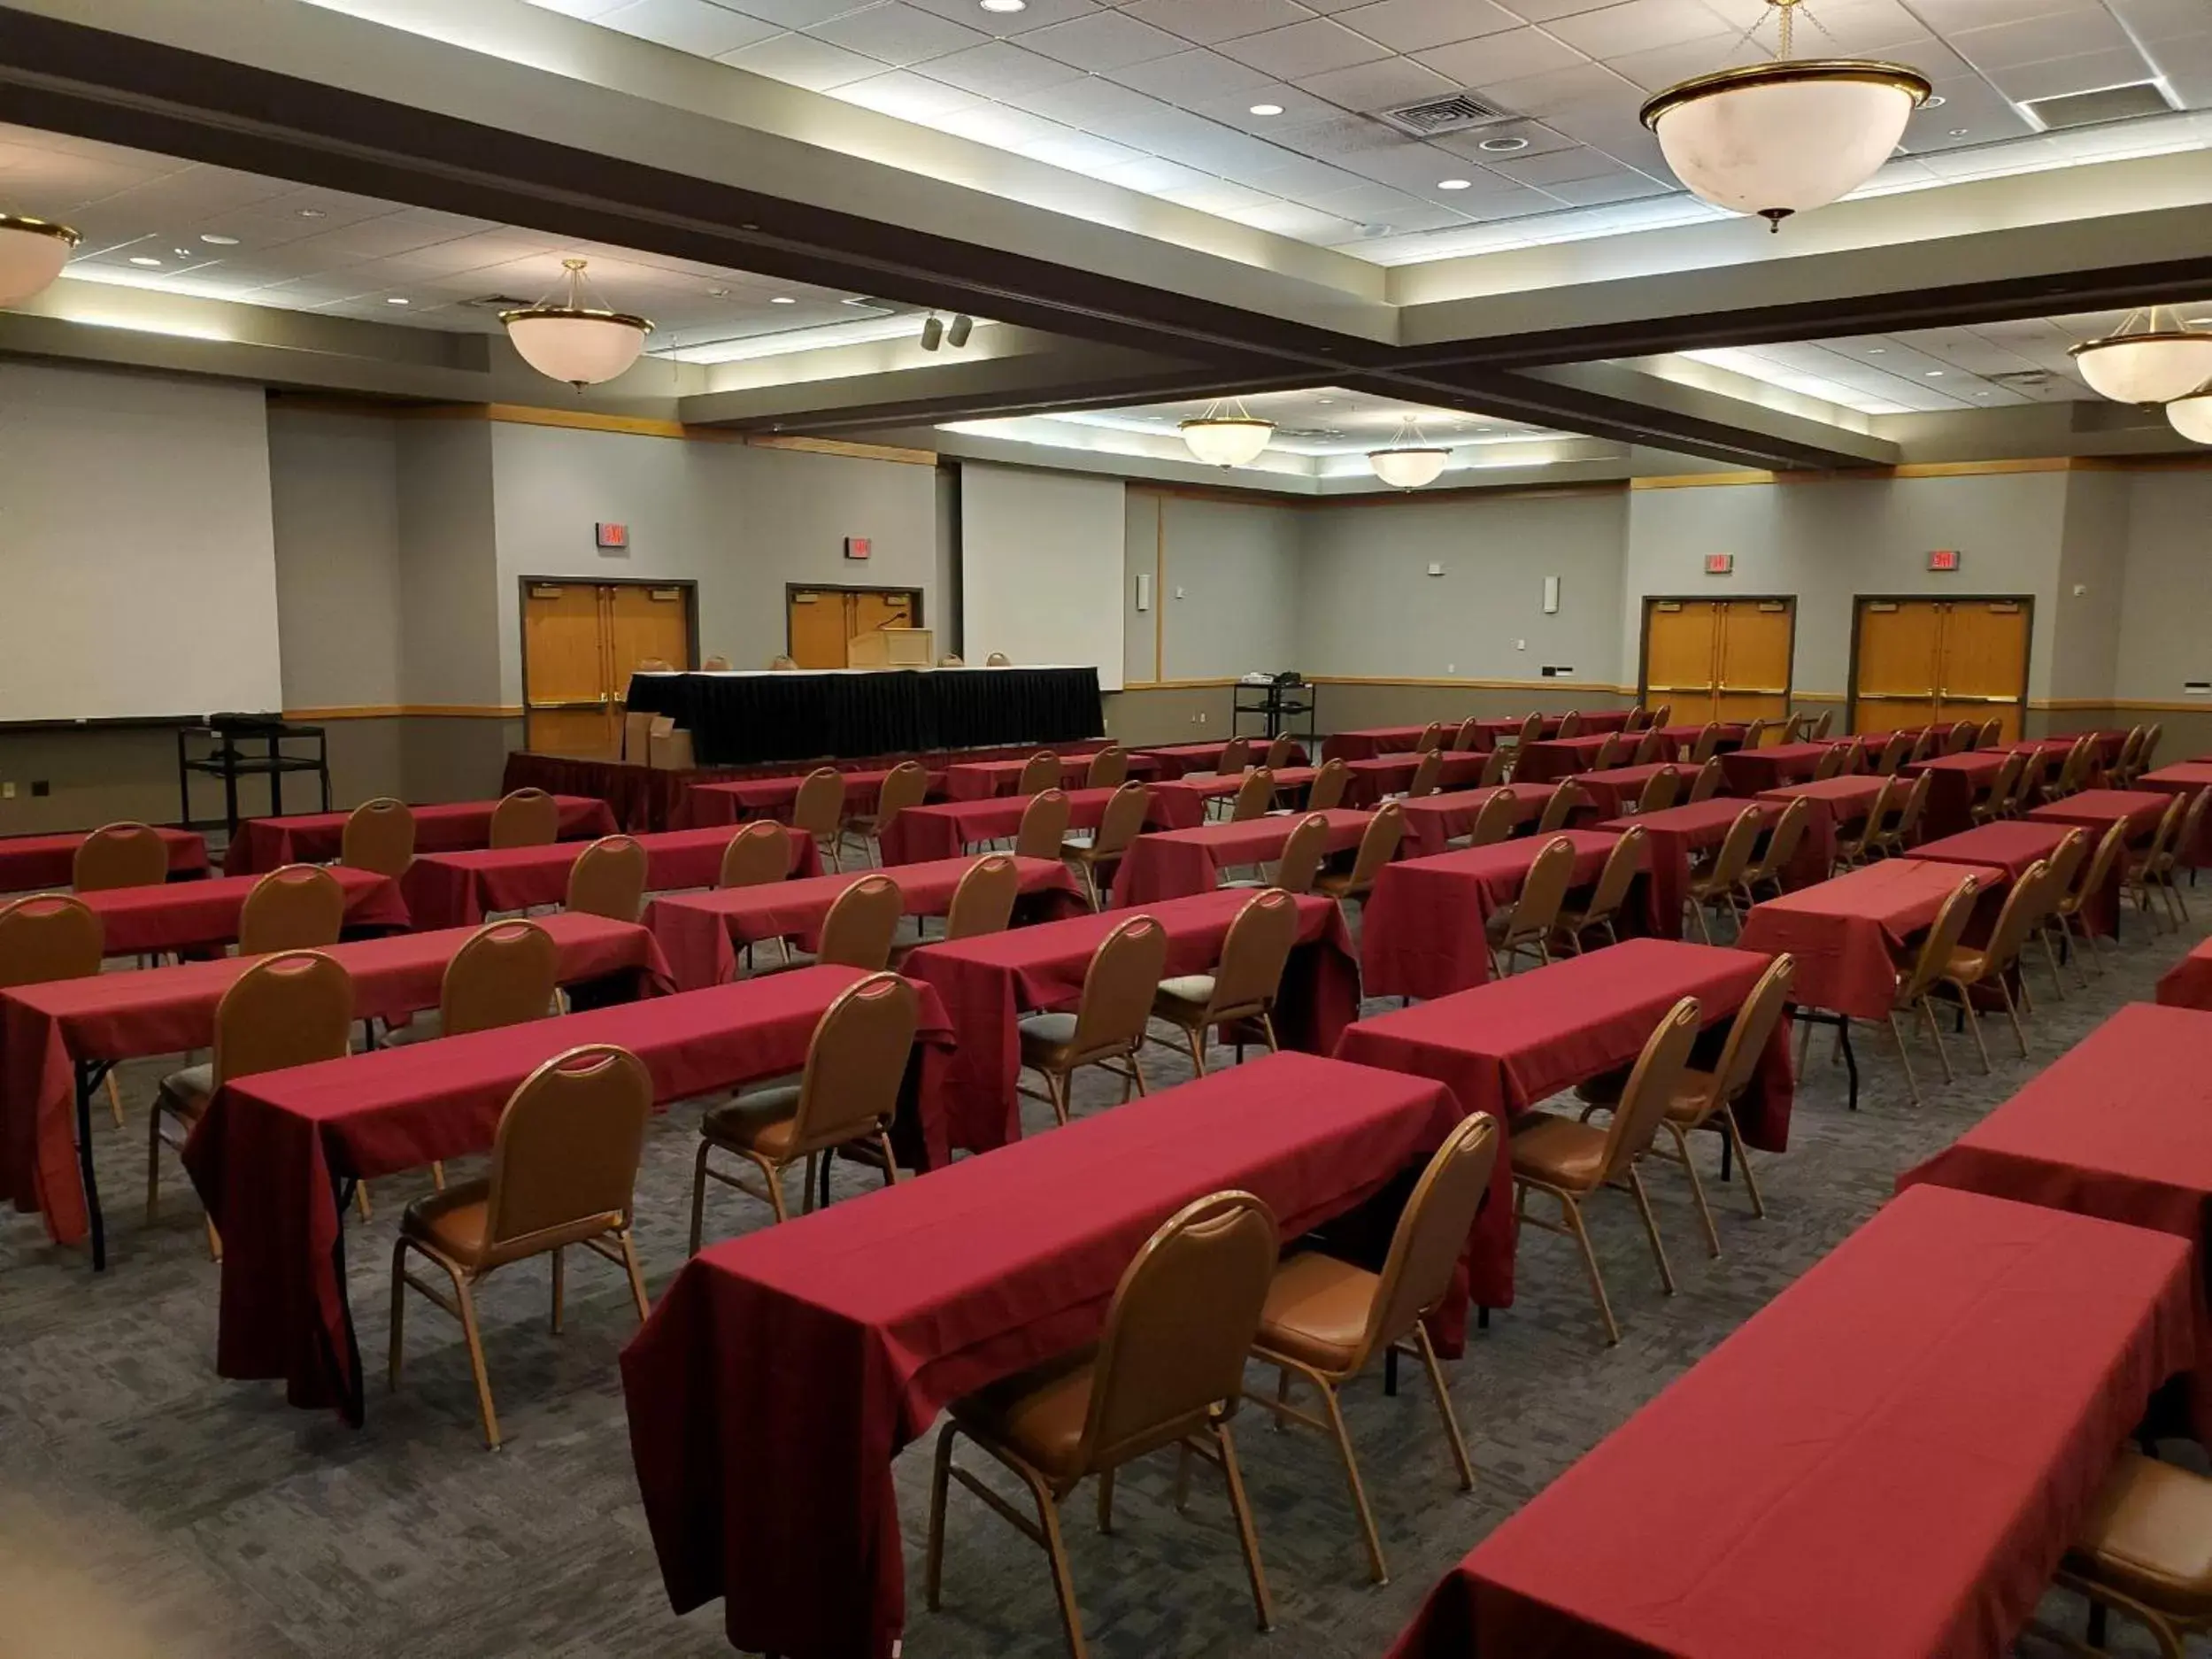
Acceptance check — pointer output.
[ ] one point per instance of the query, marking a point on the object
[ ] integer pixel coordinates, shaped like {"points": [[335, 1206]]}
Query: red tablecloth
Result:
{"points": [[266, 1155], [2096, 810], [2186, 777], [1837, 802], [33, 861], [729, 800], [204, 915], [1367, 744], [1421, 929], [979, 780], [45, 1030], [922, 834], [1175, 760], [1675, 834], [703, 932], [1173, 863], [987, 984], [1888, 1460], [262, 844], [1392, 775], [454, 890], [1852, 934], [1503, 1047], [1434, 820], [1555, 757], [1752, 771], [1682, 739], [1181, 804], [1955, 782], [1617, 788], [2188, 983], [2012, 845], [781, 1371]]}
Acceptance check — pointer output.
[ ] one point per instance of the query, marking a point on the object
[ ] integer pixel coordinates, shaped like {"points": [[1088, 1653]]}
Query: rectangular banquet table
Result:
{"points": [[2188, 983], [1555, 758], [49, 860], [1172, 862], [314, 837], [1681, 738], [1181, 804], [739, 719], [1367, 744], [58, 1039], [2184, 777], [1176, 759], [1617, 788], [454, 890], [202, 916], [1421, 930], [1503, 1047], [2096, 810], [1677, 835], [2012, 845], [1370, 780], [702, 933], [2114, 1127], [1751, 771], [731, 799], [1955, 782], [1433, 821], [270, 1156], [1853, 933], [783, 1370], [987, 984], [922, 834], [1837, 802], [1885, 1463], [979, 780]]}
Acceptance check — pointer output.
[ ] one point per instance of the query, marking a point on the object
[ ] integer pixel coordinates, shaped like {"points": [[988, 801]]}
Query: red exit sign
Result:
{"points": [[1944, 558], [1720, 564], [612, 535], [857, 547]]}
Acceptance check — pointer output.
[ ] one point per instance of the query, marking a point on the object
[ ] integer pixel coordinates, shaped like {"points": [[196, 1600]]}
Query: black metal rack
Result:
{"points": [[1278, 705], [230, 759]]}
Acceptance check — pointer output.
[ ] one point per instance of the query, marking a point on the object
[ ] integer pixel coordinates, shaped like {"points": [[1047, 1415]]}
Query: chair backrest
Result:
{"points": [[856, 1060], [1253, 952], [1531, 730], [608, 879], [1431, 738], [1044, 830], [983, 901], [1651, 1086], [1281, 747], [1612, 750], [1469, 735], [1494, 768], [118, 855], [1709, 741], [715, 664], [2075, 771], [1622, 865], [1570, 723], [2130, 751], [1663, 714], [1639, 719], [1908, 815], [2066, 861], [2143, 757], [1303, 851], [951, 660], [505, 973], [48, 937], [1109, 768], [296, 908], [653, 665], [1039, 773], [760, 852], [2028, 901], [2034, 769], [1960, 737], [1781, 844], [1122, 820], [1327, 790], [1254, 795], [1568, 798], [1432, 1230], [1756, 732], [1820, 727], [2111, 848], [291, 1009], [380, 835], [1733, 861], [1648, 748], [1708, 783], [1118, 985], [564, 1160], [1172, 1352], [781, 665], [998, 660], [2162, 841], [1749, 1033], [1378, 846], [819, 806], [2190, 829], [1543, 888], [1236, 755], [1992, 732], [858, 928], [1942, 937], [1660, 790], [526, 818], [1893, 753], [907, 784], [1495, 818], [2006, 782], [1793, 728], [1925, 743], [1426, 774], [1885, 794], [1831, 762]]}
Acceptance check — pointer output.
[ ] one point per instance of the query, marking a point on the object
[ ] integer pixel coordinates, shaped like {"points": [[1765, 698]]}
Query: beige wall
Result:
{"points": [[334, 488]]}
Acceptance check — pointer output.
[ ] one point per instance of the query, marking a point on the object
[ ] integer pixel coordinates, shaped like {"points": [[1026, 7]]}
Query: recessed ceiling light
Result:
{"points": [[1005, 5], [214, 241], [1322, 401], [146, 259], [1935, 374], [1502, 146], [782, 299], [311, 212], [1958, 132], [1876, 350], [182, 253], [397, 299], [1933, 101], [1266, 109], [1454, 184]]}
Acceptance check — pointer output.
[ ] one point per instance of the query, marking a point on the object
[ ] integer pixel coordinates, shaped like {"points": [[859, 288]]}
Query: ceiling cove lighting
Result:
{"points": [[1779, 137], [1408, 463], [32, 253], [2155, 363], [2191, 417], [1227, 435], [573, 341]]}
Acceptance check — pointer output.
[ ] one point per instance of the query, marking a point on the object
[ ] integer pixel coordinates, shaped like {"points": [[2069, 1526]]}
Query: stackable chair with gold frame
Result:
{"points": [[1427, 772], [1622, 867], [1997, 962], [1325, 793], [1571, 1162], [380, 835], [1659, 791], [1570, 723], [861, 924], [2146, 1552], [1109, 768], [1756, 732], [1121, 823], [506, 972], [1852, 851], [1168, 1369], [1650, 747], [1531, 731], [1568, 798], [1243, 986], [1707, 745], [608, 879], [118, 855], [294, 908], [1528, 924], [1326, 1320], [1494, 819], [50, 936], [1469, 735], [1708, 783], [1901, 825], [1494, 767], [1996, 801], [1721, 883], [756, 855], [564, 1171], [2065, 862], [907, 784], [1772, 865], [2096, 873], [1107, 1027], [1614, 749], [845, 1099], [1431, 738], [1378, 846], [1281, 748], [525, 818], [1253, 796], [983, 903], [1236, 756], [1831, 763], [1917, 984], [1043, 833], [1303, 854], [818, 810], [1042, 771], [2156, 866]]}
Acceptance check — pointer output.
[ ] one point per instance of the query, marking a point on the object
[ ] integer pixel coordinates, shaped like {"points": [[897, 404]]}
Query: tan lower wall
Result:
{"points": [[1351, 708], [1168, 714]]}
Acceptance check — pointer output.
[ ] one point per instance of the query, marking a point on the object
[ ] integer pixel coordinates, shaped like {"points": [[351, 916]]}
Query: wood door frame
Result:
{"points": [[1788, 601], [522, 615], [792, 589], [1859, 601]]}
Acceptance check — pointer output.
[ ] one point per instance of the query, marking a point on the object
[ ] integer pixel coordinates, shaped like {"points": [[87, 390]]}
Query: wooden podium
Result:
{"points": [[890, 648]]}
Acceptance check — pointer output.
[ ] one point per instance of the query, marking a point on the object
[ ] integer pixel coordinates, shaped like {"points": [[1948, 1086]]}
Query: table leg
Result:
{"points": [[90, 1074], [276, 779]]}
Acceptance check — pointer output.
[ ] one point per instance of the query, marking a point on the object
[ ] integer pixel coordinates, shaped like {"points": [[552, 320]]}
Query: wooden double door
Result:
{"points": [[579, 642], [1917, 662], [821, 622], [1719, 658]]}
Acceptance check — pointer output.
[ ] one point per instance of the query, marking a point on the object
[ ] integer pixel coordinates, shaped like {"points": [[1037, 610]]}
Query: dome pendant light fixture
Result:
{"points": [[1408, 463], [1777, 138], [574, 340], [32, 253], [2155, 363], [2191, 417], [1227, 435]]}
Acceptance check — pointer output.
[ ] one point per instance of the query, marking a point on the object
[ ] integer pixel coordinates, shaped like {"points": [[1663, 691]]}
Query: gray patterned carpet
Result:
{"points": [[148, 1508]]}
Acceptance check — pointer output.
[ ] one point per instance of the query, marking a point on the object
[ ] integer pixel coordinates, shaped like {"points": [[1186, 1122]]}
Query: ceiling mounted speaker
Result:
{"points": [[932, 333], [32, 253], [962, 325], [572, 340]]}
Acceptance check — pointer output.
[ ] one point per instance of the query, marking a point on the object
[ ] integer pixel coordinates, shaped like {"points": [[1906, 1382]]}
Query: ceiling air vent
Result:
{"points": [[497, 301], [1431, 116], [2107, 104]]}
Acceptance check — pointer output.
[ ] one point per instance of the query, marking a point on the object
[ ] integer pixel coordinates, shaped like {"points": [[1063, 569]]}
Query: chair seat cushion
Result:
{"points": [[1690, 1096], [1336, 883], [1317, 1311], [765, 1121], [453, 1221], [1965, 964], [1037, 1414], [1559, 1150], [185, 1093], [1046, 1038], [2150, 1536], [1185, 997]]}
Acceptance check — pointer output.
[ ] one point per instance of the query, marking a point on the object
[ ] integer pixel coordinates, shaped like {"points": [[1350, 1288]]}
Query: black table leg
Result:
{"points": [[1390, 1372], [90, 1074]]}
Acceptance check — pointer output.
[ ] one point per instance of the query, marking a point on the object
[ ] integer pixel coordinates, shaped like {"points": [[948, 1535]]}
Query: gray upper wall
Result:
{"points": [[334, 488]]}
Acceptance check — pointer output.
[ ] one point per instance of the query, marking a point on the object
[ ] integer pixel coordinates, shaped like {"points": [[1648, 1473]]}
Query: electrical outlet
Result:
{"points": [[1520, 644], [7, 791], [1451, 667], [1200, 718]]}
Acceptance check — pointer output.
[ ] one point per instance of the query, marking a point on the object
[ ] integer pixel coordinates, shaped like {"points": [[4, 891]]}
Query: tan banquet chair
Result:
{"points": [[1617, 876], [50, 936], [1326, 1320], [1243, 985], [1650, 748], [783, 664], [2154, 870], [861, 924], [1721, 884], [526, 818], [2144, 1552], [2095, 874], [983, 903], [847, 1097], [997, 659], [380, 835], [758, 854], [1326, 792], [1997, 963], [1304, 852], [1568, 798], [1708, 744], [1378, 846], [296, 908], [1469, 735], [1893, 838], [1570, 724], [1494, 766], [1282, 749], [1168, 1369], [1253, 796], [1831, 763], [1043, 829], [608, 879], [907, 784], [1431, 738], [1708, 783], [1851, 849], [1771, 868], [818, 809], [1494, 819], [1236, 756], [1107, 1027], [1996, 801], [1121, 823], [716, 664], [1917, 984], [120, 855], [505, 973], [1660, 791], [1571, 1162], [1109, 768], [564, 1171], [1040, 772], [1528, 923], [1427, 771], [2066, 860]]}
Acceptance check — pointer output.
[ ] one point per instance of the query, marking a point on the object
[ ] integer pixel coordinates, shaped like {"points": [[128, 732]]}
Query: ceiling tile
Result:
{"points": [[2153, 21], [1235, 108], [804, 61], [689, 26], [1558, 166], [2086, 73], [1860, 26], [1218, 19], [1304, 49], [1104, 40], [1412, 25], [1402, 211], [1379, 85], [911, 97], [1946, 16], [1536, 94], [1536, 138], [1288, 218], [1155, 175], [1191, 77], [1302, 179], [898, 33], [1622, 185], [1090, 102], [2039, 40], [1217, 195], [998, 69], [1036, 15], [1544, 10], [792, 14], [1638, 27], [1341, 136], [1664, 65], [1516, 52]]}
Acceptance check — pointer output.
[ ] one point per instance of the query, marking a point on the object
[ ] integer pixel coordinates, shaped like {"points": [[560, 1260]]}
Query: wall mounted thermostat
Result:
{"points": [[612, 537]]}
